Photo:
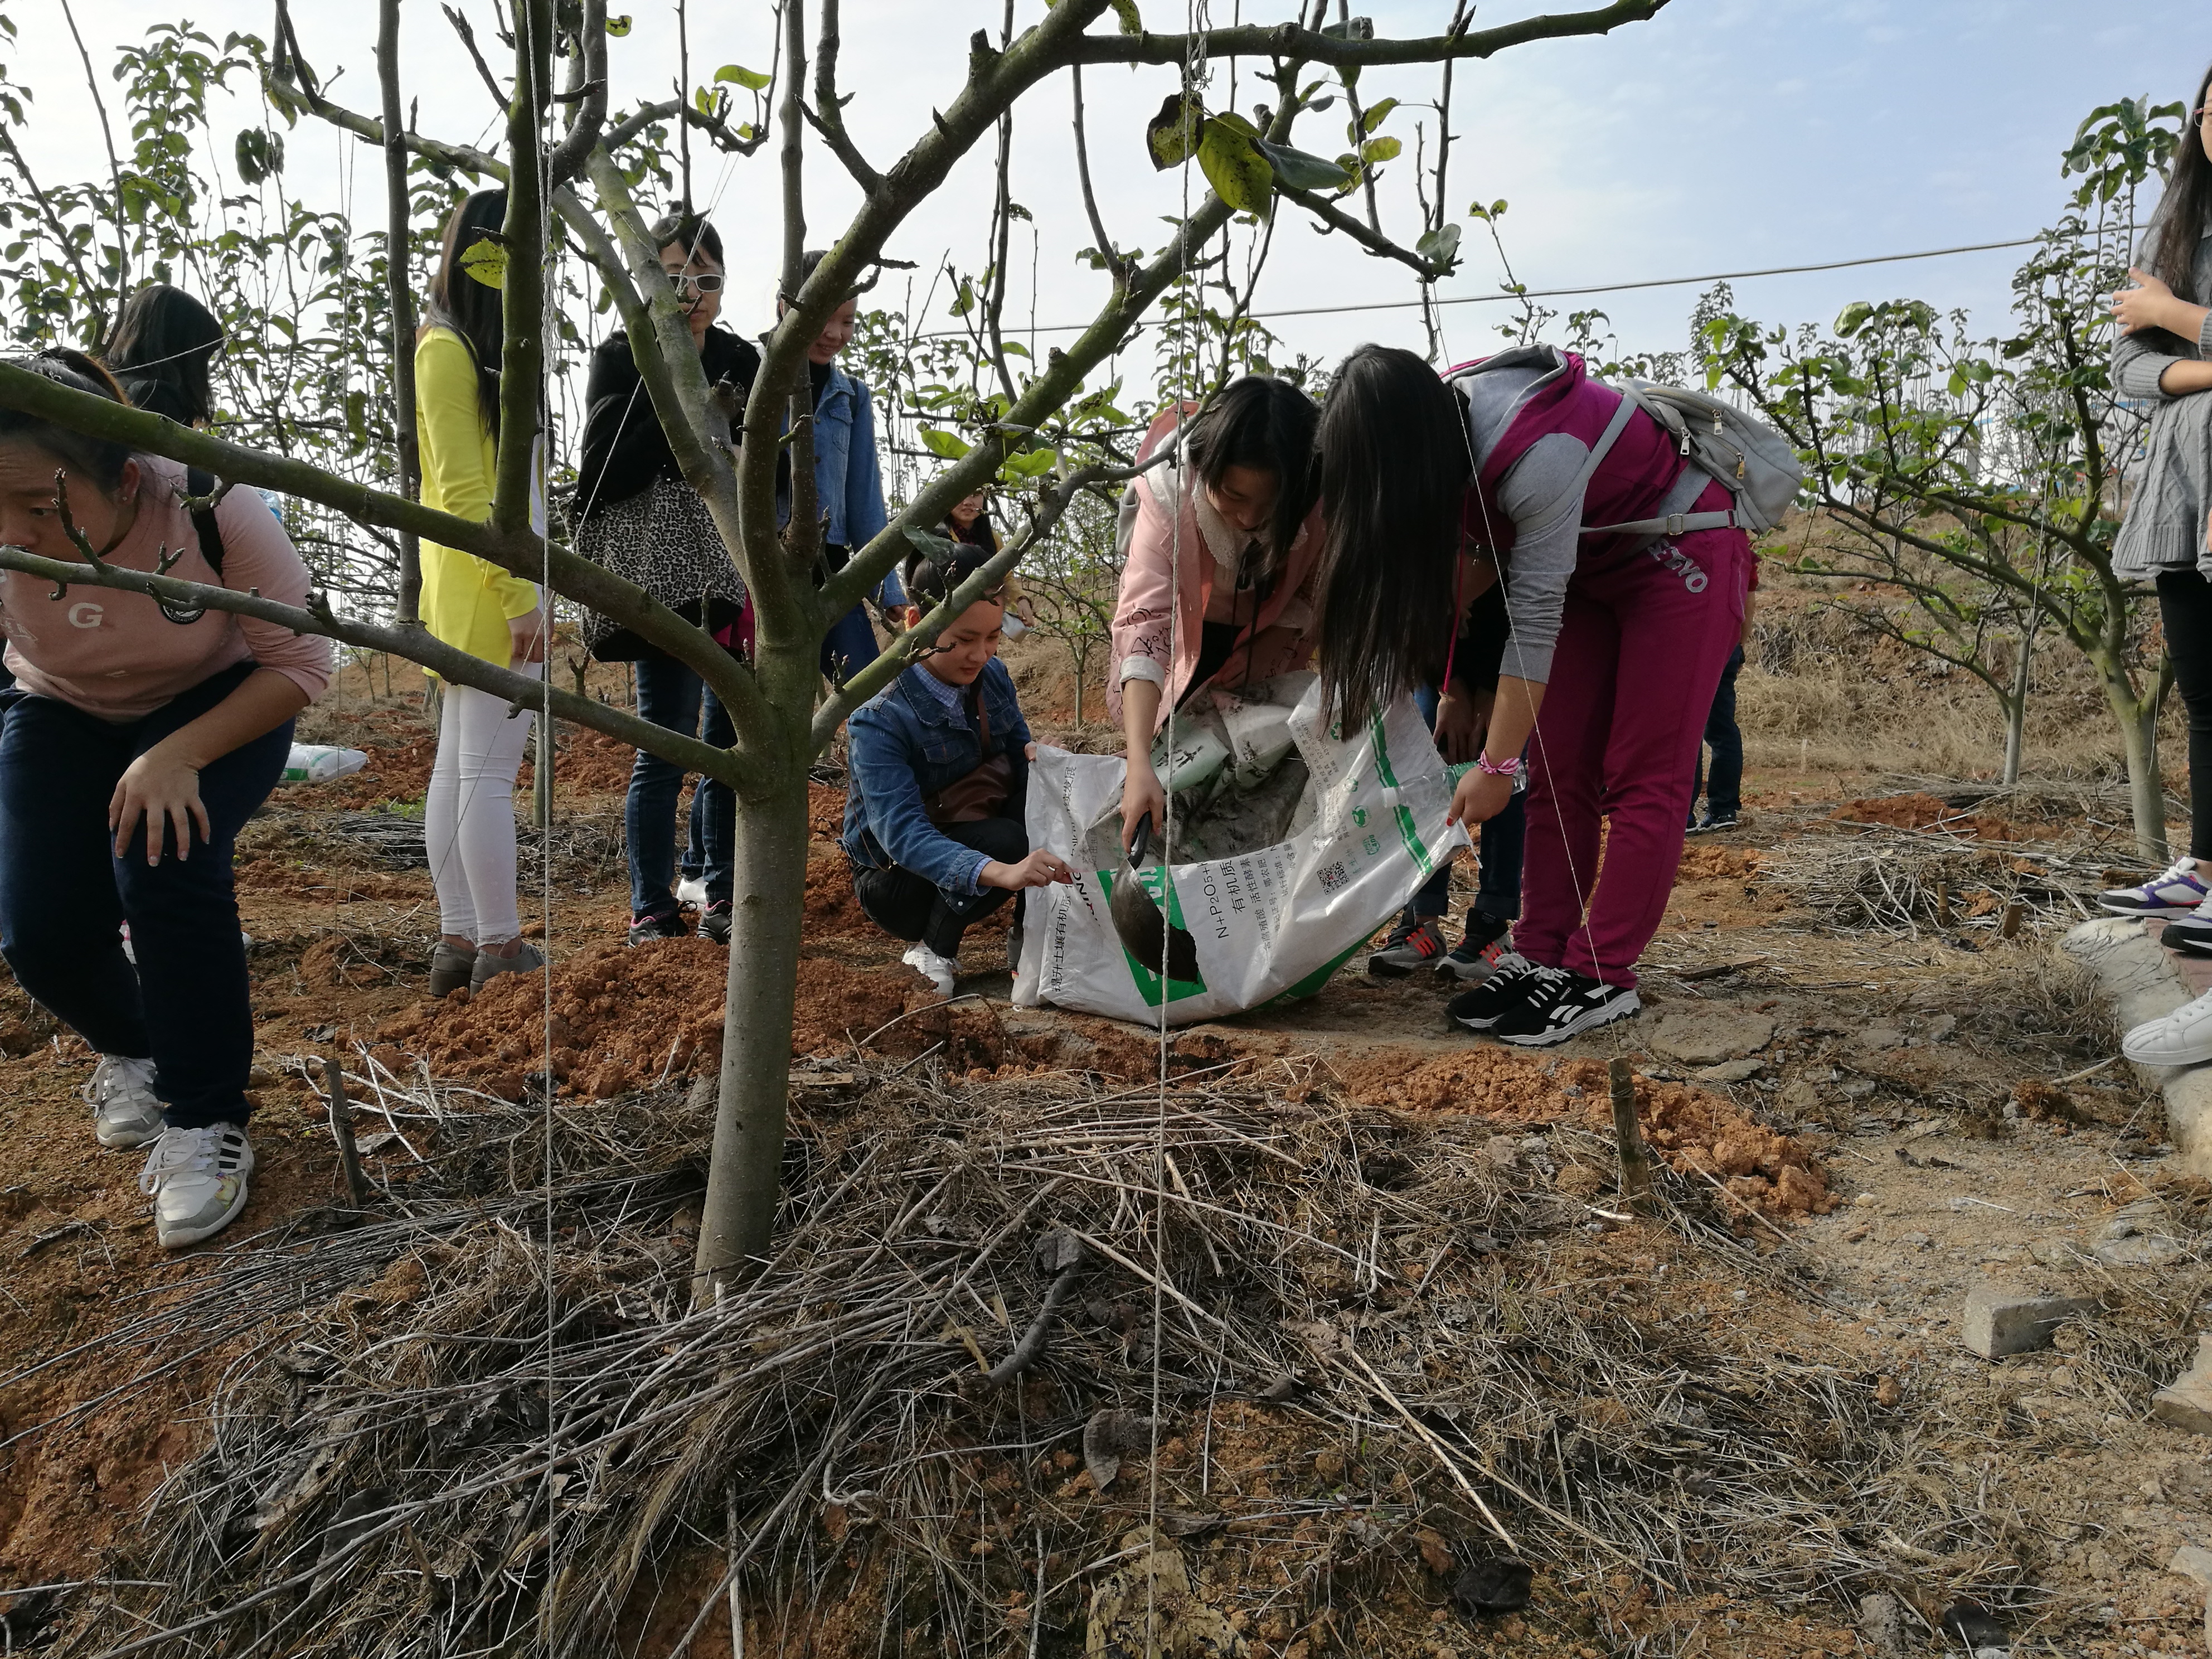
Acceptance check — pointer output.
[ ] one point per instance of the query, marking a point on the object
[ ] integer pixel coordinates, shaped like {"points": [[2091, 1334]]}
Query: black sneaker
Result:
{"points": [[2192, 934], [660, 924], [716, 924], [1516, 979], [1713, 820], [1565, 1005]]}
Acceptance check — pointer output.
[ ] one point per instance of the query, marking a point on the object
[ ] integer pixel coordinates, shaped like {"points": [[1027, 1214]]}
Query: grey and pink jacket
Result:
{"points": [[1533, 413]]}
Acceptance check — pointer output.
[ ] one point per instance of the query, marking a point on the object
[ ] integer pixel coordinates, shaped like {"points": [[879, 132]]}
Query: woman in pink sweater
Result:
{"points": [[1219, 545], [137, 742]]}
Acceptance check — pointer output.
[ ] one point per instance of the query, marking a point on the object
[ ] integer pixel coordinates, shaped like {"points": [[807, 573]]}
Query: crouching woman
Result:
{"points": [[137, 744], [939, 765]]}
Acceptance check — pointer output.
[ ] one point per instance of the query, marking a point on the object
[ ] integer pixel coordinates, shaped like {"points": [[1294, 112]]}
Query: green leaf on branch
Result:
{"points": [[939, 548], [1440, 246], [948, 445], [1126, 11], [1375, 151], [618, 27], [1296, 170], [1232, 164], [751, 80], [1030, 464], [486, 261], [1377, 115], [1852, 319], [1171, 135], [260, 154], [1495, 211]]}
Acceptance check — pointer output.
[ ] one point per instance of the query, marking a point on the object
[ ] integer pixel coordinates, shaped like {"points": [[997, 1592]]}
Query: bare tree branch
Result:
{"points": [[1289, 40], [114, 170], [590, 115], [399, 294], [828, 115], [1116, 266], [1373, 241], [499, 99]]}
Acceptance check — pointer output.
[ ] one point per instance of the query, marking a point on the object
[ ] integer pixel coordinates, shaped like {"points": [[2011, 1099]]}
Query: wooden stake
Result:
{"points": [[342, 1132], [1635, 1162], [2010, 926], [1942, 904], [542, 776]]}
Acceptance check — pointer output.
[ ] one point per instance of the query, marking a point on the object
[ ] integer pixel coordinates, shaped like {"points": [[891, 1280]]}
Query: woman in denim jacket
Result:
{"points": [[849, 480], [923, 867]]}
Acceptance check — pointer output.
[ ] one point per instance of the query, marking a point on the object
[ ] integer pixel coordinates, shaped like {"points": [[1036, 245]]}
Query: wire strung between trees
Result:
{"points": [[1511, 296]]}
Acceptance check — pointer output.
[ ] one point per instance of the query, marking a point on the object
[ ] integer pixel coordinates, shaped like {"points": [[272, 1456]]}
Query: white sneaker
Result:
{"points": [[2183, 1037], [196, 1178], [938, 970], [126, 1111], [691, 893]]}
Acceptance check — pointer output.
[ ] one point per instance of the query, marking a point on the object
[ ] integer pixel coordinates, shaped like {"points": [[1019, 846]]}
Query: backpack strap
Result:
{"points": [[1570, 498], [200, 485]]}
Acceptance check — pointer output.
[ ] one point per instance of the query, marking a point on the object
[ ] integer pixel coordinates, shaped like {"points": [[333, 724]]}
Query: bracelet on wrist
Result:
{"points": [[1504, 768]]}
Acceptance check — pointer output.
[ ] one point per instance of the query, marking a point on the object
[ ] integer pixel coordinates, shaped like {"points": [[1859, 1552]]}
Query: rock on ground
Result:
{"points": [[1708, 1037], [2186, 1402], [1999, 1320]]}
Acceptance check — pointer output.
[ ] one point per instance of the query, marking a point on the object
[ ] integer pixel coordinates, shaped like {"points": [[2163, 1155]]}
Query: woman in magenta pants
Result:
{"points": [[1434, 489]]}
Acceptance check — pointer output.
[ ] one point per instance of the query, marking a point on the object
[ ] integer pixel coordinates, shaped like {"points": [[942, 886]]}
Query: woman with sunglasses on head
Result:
{"points": [[1433, 490], [635, 514], [476, 606], [2163, 355], [138, 742], [1221, 543]]}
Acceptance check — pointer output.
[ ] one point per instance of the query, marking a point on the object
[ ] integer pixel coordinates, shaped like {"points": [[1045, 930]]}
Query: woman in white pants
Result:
{"points": [[467, 602]]}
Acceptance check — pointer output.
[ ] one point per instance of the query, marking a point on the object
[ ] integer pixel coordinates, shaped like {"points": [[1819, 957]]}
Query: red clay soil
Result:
{"points": [[1922, 811], [1694, 1130]]}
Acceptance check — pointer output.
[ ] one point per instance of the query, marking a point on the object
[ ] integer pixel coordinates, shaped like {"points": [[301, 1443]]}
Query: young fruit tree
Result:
{"points": [[1982, 479], [573, 171]]}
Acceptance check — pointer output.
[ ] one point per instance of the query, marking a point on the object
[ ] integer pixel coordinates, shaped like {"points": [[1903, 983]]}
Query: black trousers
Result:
{"points": [[2185, 606], [910, 907]]}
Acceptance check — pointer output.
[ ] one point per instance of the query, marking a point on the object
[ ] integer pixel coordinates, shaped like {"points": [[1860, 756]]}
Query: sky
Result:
{"points": [[1723, 134]]}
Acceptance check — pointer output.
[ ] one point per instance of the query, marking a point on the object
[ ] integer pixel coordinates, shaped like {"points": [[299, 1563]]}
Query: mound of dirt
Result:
{"points": [[1693, 1129], [398, 770], [1923, 811], [588, 763], [623, 1019], [1714, 863]]}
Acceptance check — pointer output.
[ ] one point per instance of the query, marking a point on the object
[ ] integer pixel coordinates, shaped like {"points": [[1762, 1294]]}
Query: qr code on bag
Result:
{"points": [[1333, 877]]}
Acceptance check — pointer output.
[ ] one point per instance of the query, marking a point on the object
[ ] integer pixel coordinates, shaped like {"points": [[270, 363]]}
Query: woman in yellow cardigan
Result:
{"points": [[471, 603]]}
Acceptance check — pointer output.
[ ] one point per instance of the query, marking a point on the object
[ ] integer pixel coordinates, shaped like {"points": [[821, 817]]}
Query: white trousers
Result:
{"points": [[468, 816]]}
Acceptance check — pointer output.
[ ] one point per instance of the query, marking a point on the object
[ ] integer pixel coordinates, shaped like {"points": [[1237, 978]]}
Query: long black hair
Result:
{"points": [[99, 459], [2185, 212], [1268, 425], [163, 344], [469, 307], [1394, 477]]}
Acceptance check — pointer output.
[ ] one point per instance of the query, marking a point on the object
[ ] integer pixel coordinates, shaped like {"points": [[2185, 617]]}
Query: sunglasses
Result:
{"points": [[704, 282]]}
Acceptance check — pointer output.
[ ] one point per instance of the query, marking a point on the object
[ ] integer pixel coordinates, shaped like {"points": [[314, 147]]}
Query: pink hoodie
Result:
{"points": [[115, 656], [1185, 554]]}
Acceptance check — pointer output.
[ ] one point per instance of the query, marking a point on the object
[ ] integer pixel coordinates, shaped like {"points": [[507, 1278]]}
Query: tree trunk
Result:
{"points": [[767, 913], [2016, 708], [2138, 719]]}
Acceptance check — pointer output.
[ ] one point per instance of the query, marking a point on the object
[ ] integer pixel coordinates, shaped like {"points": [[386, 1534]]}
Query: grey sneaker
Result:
{"points": [[527, 959], [126, 1111], [451, 966], [196, 1178], [1414, 943]]}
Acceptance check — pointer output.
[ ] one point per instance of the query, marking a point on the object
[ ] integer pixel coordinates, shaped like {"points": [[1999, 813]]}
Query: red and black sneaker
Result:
{"points": [[1415, 943]]}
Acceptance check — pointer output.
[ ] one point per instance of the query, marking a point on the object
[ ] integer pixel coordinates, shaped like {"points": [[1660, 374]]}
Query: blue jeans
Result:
{"points": [[1497, 894], [1724, 797], [64, 895], [671, 694], [849, 645]]}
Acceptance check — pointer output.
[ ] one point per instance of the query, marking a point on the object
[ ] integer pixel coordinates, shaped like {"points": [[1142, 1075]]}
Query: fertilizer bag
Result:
{"points": [[1270, 921]]}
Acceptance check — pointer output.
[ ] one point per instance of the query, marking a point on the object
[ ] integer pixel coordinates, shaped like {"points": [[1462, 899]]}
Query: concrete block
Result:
{"points": [[2186, 1402], [1999, 1320], [2144, 983], [2192, 1563]]}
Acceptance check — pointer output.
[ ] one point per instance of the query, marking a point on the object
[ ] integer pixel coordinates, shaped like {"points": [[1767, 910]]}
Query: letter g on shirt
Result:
{"points": [[85, 614]]}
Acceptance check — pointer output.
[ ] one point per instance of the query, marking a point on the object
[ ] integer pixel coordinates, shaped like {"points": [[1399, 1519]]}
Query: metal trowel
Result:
{"points": [[1141, 921]]}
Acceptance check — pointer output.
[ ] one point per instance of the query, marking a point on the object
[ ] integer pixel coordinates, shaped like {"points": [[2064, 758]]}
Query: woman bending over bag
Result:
{"points": [[139, 741], [940, 762], [1221, 543], [1436, 489]]}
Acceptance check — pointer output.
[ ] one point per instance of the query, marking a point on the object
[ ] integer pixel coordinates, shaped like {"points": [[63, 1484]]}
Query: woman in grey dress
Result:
{"points": [[2163, 355]]}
